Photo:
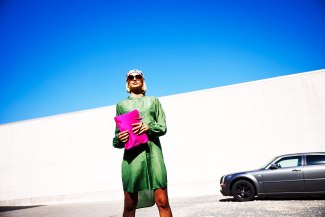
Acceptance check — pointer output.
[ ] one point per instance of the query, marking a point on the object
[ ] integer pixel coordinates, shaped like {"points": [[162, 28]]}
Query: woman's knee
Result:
{"points": [[130, 201], [161, 198], [162, 202], [128, 206]]}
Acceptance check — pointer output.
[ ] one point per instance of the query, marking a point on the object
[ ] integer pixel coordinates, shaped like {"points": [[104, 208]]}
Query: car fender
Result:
{"points": [[255, 179]]}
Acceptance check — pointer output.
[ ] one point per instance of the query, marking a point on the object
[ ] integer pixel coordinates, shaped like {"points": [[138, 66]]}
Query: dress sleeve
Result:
{"points": [[116, 142], [158, 126]]}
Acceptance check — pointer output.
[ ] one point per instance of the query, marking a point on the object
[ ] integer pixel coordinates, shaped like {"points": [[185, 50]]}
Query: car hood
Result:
{"points": [[244, 172]]}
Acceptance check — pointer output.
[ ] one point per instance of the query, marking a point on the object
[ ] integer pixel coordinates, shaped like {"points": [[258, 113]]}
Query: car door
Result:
{"points": [[287, 178], [314, 173]]}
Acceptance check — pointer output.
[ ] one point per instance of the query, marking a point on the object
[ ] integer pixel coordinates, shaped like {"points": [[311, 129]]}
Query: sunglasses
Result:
{"points": [[136, 77]]}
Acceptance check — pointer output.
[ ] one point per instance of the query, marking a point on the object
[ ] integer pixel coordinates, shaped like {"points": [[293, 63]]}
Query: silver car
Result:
{"points": [[285, 175]]}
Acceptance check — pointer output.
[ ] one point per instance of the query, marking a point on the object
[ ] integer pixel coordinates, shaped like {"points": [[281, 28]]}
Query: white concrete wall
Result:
{"points": [[211, 132]]}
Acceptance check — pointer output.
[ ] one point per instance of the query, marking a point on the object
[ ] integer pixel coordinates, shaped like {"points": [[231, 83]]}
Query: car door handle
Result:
{"points": [[296, 170]]}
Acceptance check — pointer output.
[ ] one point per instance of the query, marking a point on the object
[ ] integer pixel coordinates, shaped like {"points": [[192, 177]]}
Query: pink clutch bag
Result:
{"points": [[124, 122]]}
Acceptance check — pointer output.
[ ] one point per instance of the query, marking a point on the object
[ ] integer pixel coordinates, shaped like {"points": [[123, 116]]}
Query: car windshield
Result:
{"points": [[265, 165]]}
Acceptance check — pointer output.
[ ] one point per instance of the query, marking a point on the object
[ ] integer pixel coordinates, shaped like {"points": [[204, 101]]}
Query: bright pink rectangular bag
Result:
{"points": [[124, 122]]}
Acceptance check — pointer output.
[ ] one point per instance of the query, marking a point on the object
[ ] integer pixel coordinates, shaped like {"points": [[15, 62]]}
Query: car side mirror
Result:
{"points": [[274, 166]]}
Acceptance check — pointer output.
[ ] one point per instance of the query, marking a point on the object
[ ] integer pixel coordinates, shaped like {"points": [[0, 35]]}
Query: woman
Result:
{"points": [[143, 167]]}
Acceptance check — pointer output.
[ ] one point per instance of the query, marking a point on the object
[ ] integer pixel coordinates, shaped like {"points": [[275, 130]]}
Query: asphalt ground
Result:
{"points": [[203, 206]]}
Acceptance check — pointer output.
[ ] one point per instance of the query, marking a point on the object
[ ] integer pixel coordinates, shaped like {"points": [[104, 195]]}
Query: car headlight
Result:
{"points": [[222, 179]]}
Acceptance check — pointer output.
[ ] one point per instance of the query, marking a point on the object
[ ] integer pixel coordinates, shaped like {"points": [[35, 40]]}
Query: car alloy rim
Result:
{"points": [[243, 191]]}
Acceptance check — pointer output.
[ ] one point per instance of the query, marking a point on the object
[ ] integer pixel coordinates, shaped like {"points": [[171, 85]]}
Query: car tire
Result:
{"points": [[243, 190]]}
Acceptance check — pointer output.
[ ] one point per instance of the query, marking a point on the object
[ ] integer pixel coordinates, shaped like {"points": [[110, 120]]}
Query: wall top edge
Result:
{"points": [[173, 95], [58, 115], [248, 82]]}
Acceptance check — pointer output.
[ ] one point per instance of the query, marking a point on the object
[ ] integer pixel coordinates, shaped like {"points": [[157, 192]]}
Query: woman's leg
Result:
{"points": [[161, 197], [130, 204]]}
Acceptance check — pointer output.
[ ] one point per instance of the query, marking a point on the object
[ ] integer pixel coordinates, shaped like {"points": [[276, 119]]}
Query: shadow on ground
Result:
{"points": [[12, 208], [278, 198]]}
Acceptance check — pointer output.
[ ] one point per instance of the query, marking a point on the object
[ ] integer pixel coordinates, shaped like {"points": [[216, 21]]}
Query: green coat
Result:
{"points": [[143, 167]]}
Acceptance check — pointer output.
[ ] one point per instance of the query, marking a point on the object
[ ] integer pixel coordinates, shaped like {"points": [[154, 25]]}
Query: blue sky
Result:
{"points": [[59, 56]]}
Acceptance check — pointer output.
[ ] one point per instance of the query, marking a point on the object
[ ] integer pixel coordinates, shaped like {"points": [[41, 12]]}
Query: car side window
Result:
{"points": [[289, 162], [315, 159]]}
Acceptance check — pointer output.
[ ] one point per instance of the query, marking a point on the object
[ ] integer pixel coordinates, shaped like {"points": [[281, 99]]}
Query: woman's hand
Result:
{"points": [[123, 136], [139, 128]]}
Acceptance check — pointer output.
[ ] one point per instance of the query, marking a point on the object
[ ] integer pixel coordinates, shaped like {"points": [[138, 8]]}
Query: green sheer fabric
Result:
{"points": [[143, 167]]}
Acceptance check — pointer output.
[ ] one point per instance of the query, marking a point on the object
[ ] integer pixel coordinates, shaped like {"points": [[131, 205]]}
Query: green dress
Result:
{"points": [[143, 167]]}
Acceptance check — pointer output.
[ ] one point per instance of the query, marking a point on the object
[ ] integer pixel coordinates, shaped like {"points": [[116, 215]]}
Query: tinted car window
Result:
{"points": [[315, 159], [289, 162]]}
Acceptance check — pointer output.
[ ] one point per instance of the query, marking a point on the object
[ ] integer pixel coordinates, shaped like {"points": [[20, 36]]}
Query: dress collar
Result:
{"points": [[135, 98]]}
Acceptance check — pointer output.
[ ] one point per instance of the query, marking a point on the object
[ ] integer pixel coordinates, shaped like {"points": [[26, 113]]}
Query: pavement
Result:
{"points": [[202, 206]]}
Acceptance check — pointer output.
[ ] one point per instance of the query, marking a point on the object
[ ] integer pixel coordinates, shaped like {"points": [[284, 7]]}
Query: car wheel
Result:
{"points": [[243, 190]]}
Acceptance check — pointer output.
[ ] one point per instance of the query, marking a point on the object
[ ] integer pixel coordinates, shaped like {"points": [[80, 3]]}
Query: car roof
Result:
{"points": [[302, 153]]}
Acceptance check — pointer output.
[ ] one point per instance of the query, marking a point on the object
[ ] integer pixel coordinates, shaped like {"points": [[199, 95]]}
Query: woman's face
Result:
{"points": [[135, 81]]}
